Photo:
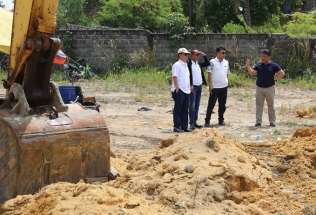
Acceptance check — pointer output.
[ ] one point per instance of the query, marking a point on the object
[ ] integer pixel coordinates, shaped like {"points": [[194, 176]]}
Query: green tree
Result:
{"points": [[215, 14], [191, 9], [1, 4], [295, 2], [244, 6], [91, 7], [151, 14], [178, 27], [71, 11], [262, 11], [210, 15], [302, 25], [247, 12]]}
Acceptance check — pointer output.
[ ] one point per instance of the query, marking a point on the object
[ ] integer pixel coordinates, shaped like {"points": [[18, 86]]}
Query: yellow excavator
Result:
{"points": [[43, 140]]}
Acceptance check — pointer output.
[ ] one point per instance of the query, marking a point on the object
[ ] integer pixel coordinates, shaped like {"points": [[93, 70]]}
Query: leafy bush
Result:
{"points": [[178, 27], [71, 11], [240, 80], [143, 58], [113, 61], [58, 75], [3, 74], [68, 45], [298, 59], [302, 25], [270, 26], [151, 14], [150, 79]]}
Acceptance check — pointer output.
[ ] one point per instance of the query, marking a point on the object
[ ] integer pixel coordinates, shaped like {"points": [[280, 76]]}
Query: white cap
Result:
{"points": [[183, 50]]}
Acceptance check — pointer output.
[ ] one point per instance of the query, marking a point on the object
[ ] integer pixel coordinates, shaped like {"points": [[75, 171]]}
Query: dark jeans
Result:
{"points": [[195, 98], [181, 109], [219, 94]]}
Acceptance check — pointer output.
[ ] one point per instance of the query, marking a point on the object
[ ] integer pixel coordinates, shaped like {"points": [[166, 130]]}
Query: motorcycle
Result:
{"points": [[78, 69]]}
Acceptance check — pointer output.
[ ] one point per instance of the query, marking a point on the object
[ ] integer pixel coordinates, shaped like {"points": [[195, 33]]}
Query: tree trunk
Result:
{"points": [[247, 13], [190, 13]]}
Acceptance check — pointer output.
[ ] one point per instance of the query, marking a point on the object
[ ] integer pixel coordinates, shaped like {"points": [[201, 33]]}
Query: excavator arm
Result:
{"points": [[32, 49], [43, 140]]}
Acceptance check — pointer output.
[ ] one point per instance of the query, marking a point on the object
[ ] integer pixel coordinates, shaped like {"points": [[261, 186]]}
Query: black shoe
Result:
{"points": [[258, 124], [207, 125], [178, 130], [222, 123], [272, 124], [197, 125], [192, 127], [186, 130]]}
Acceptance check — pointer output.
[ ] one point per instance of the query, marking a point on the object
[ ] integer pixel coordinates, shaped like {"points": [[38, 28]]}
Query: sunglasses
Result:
{"points": [[197, 54], [186, 54], [223, 52]]}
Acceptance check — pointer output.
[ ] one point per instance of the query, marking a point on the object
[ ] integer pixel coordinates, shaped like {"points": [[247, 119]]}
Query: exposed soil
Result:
{"points": [[218, 170]]}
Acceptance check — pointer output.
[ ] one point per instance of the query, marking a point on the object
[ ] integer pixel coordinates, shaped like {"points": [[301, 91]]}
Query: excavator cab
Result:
{"points": [[43, 140]]}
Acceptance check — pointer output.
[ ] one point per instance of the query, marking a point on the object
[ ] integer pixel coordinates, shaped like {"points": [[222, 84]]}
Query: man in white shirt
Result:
{"points": [[196, 80], [181, 91], [218, 83]]}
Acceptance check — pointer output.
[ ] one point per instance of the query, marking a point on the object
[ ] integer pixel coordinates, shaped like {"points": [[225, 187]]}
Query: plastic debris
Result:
{"points": [[255, 136], [144, 108]]}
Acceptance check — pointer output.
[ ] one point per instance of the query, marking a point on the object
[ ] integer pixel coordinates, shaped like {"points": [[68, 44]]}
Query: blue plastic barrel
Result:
{"points": [[68, 93]]}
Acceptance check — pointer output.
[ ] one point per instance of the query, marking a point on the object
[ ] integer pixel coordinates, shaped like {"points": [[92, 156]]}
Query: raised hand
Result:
{"points": [[248, 62]]}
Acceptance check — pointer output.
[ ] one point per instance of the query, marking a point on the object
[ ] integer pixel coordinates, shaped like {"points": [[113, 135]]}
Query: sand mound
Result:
{"points": [[197, 173], [297, 163], [302, 112], [305, 113]]}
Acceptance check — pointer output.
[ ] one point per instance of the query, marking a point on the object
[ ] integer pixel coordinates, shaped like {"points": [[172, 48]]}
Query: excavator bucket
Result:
{"points": [[43, 140], [36, 151]]}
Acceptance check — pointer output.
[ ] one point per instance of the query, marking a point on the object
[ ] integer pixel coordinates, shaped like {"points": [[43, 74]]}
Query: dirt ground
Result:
{"points": [[217, 170]]}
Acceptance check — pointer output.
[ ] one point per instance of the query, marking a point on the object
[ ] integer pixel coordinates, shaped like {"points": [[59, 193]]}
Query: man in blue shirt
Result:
{"points": [[267, 73]]}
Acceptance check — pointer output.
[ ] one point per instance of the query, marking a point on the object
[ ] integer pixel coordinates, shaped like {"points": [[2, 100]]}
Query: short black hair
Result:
{"points": [[220, 48], [193, 51], [266, 51]]}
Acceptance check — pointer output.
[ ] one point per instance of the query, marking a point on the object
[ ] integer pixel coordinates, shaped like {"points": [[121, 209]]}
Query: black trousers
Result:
{"points": [[219, 94]]}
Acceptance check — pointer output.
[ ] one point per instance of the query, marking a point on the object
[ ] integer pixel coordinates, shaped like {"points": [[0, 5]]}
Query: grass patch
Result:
{"points": [[147, 78], [276, 132], [240, 80], [291, 109], [285, 109], [305, 83], [146, 84], [297, 124], [300, 82], [151, 84], [58, 76], [3, 74]]}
